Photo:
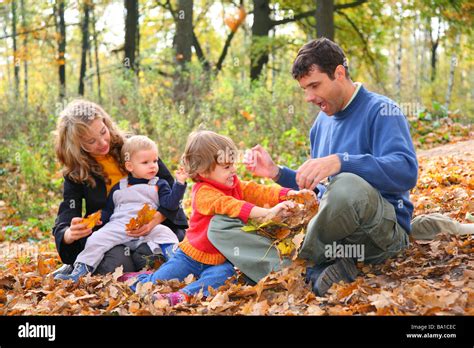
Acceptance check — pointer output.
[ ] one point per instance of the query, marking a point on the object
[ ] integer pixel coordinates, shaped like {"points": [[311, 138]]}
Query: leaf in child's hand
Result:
{"points": [[305, 209], [287, 229], [92, 220], [305, 197], [144, 216]]}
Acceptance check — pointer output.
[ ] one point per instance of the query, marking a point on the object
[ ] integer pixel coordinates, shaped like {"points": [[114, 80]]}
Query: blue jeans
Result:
{"points": [[181, 265], [169, 249]]}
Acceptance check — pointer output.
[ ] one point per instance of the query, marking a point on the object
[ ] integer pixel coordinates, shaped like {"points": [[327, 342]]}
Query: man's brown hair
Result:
{"points": [[322, 53]]}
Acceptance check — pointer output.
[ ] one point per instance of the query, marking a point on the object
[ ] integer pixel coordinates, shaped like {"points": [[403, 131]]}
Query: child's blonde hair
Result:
{"points": [[204, 150], [137, 143], [73, 124]]}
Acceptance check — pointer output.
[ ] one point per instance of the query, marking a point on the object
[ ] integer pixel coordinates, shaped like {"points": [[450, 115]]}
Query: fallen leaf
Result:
{"points": [[117, 273], [218, 301]]}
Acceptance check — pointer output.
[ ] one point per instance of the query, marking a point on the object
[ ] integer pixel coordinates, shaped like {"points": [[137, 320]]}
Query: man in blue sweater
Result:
{"points": [[361, 142]]}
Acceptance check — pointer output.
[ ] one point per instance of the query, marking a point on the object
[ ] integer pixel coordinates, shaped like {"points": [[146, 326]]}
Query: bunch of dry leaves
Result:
{"points": [[287, 231], [431, 277]]}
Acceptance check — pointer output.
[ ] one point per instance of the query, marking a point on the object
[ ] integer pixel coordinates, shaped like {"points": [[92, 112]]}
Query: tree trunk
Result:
{"points": [[25, 53], [260, 28], [96, 53], [424, 50], [16, 59], [183, 42], [85, 46], [416, 73], [131, 35], [434, 48], [452, 68], [89, 77], [6, 48], [273, 59], [62, 49], [399, 59], [325, 18], [262, 24], [183, 39]]}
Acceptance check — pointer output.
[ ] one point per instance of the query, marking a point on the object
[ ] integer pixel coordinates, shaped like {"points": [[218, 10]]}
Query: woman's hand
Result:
{"points": [[145, 229], [76, 231]]}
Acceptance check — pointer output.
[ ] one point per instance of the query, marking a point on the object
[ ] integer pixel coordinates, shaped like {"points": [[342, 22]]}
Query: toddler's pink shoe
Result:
{"points": [[173, 298], [130, 275]]}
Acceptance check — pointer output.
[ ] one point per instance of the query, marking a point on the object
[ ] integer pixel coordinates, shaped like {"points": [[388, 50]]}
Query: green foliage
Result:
{"points": [[27, 177], [436, 125], [15, 233]]}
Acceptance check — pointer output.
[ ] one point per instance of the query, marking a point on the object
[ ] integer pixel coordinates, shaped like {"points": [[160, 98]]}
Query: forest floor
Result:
{"points": [[434, 277]]}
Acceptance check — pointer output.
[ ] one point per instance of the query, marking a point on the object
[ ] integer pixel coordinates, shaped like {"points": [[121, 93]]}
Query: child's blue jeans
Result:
{"points": [[169, 249], [181, 265]]}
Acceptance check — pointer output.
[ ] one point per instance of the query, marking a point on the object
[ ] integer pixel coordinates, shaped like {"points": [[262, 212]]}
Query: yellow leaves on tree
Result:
{"points": [[92, 220], [234, 22], [144, 216]]}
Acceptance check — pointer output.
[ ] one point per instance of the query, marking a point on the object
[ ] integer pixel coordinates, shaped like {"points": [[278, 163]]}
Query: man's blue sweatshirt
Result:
{"points": [[372, 139]]}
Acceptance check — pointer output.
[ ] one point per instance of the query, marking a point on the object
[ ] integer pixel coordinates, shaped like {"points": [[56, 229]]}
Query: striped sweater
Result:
{"points": [[210, 198]]}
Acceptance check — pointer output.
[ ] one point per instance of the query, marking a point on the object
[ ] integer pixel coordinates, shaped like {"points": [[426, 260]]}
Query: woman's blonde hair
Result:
{"points": [[137, 143], [204, 150], [73, 124]]}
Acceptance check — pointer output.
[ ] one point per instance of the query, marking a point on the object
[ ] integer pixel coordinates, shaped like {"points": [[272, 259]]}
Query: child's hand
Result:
{"points": [[142, 231], [181, 175], [280, 209]]}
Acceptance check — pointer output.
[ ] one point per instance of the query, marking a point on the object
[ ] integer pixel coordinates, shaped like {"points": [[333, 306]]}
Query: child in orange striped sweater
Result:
{"points": [[217, 190]]}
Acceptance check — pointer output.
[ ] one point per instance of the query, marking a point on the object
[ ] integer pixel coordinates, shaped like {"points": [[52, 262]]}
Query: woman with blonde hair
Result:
{"points": [[88, 145]]}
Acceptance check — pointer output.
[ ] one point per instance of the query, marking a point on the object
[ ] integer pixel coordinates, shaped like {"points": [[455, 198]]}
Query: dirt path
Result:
{"points": [[461, 149]]}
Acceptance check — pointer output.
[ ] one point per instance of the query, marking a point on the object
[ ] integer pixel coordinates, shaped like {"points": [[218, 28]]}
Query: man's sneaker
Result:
{"points": [[80, 270], [322, 277], [64, 269]]}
